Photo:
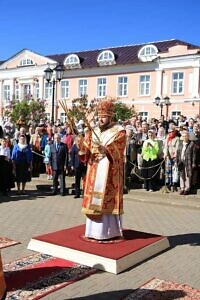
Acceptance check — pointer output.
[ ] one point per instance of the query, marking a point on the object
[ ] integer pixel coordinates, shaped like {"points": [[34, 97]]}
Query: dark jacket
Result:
{"points": [[58, 158], [75, 160], [189, 157]]}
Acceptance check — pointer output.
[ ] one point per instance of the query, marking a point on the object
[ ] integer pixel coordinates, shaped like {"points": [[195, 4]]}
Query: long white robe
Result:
{"points": [[109, 226]]}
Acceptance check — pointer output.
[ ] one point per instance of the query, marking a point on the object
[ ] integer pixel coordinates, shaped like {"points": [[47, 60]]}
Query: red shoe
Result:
{"points": [[186, 193], [182, 192]]}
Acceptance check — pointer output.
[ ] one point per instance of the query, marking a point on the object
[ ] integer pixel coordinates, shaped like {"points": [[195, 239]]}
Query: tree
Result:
{"points": [[81, 107], [122, 111], [28, 109]]}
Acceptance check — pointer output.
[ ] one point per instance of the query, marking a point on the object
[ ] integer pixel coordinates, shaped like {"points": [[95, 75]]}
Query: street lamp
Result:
{"points": [[59, 72], [163, 102]]}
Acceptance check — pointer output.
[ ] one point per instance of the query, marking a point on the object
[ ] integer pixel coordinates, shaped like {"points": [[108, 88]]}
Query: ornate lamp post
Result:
{"points": [[59, 71], [163, 102]]}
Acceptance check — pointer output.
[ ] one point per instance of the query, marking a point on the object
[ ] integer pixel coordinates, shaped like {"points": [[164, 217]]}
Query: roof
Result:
{"points": [[123, 54]]}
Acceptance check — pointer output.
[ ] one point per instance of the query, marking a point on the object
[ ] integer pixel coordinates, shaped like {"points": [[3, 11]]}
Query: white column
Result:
{"points": [[195, 88], [159, 83], [41, 83]]}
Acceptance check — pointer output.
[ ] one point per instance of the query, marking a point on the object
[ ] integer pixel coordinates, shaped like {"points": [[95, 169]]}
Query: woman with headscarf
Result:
{"points": [[22, 163]]}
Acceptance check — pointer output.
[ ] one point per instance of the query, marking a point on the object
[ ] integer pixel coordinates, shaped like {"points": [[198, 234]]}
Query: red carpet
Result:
{"points": [[157, 289], [6, 242], [37, 275], [74, 238]]}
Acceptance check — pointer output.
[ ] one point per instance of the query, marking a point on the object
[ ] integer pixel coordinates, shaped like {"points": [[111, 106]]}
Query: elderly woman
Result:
{"points": [[22, 163], [150, 150], [186, 161], [170, 149]]}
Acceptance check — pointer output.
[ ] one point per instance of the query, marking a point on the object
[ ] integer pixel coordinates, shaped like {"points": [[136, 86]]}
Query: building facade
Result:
{"points": [[168, 71]]}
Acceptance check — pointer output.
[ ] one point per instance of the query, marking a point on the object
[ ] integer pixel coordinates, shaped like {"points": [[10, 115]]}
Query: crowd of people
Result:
{"points": [[158, 153]]}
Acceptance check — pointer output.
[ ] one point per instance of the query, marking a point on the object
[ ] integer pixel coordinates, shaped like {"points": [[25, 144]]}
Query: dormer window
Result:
{"points": [[72, 61], [106, 57], [26, 62], [148, 53]]}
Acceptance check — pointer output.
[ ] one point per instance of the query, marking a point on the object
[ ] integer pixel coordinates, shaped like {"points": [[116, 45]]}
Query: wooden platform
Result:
{"points": [[112, 256]]}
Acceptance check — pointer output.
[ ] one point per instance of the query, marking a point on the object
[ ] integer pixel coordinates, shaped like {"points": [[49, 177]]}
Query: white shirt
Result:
{"points": [[5, 151]]}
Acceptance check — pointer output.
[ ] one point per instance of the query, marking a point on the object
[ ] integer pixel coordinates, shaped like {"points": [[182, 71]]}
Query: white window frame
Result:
{"points": [[122, 86], [6, 93], [82, 87], [144, 86], [63, 117], [37, 90], [16, 91], [101, 87], [48, 89], [48, 116], [26, 62], [72, 61], [175, 114], [148, 53], [26, 90], [106, 57], [144, 115], [177, 84], [64, 89]]}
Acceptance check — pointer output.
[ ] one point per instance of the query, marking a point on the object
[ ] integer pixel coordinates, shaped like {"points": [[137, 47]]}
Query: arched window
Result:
{"points": [[106, 57], [72, 61], [148, 53]]}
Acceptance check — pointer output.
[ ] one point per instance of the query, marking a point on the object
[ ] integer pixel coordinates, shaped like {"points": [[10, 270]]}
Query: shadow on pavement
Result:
{"points": [[147, 294], [192, 239], [29, 195]]}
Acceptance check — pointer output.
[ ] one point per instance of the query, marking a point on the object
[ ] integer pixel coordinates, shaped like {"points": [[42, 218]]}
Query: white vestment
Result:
{"points": [[109, 226]]}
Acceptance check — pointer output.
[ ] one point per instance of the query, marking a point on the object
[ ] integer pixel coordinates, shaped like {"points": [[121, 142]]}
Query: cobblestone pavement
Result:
{"points": [[169, 214]]}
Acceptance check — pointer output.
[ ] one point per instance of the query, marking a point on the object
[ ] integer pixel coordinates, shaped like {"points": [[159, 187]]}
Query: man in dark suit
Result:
{"points": [[59, 162]]}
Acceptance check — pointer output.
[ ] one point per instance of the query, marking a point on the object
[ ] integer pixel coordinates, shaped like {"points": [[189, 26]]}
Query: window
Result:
{"points": [[64, 89], [26, 62], [6, 93], [148, 53], [175, 115], [177, 83], [47, 116], [144, 115], [144, 85], [122, 86], [72, 61], [37, 90], [101, 87], [48, 90], [26, 90], [106, 58], [63, 117], [82, 87], [17, 92]]}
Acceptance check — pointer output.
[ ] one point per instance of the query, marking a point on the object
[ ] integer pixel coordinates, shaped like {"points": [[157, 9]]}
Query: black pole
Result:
{"points": [[53, 95], [161, 109]]}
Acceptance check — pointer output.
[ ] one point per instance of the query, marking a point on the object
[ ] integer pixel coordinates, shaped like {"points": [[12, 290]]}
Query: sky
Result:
{"points": [[50, 27]]}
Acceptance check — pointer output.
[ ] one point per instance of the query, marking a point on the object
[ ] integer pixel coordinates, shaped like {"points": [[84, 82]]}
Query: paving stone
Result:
{"points": [[177, 217]]}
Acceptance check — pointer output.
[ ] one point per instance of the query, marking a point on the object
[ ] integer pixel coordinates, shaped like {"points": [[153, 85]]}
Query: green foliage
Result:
{"points": [[80, 109], [122, 111], [28, 109]]}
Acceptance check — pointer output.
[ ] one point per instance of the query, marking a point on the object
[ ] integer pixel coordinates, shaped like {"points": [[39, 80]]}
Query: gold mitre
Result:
{"points": [[105, 108]]}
